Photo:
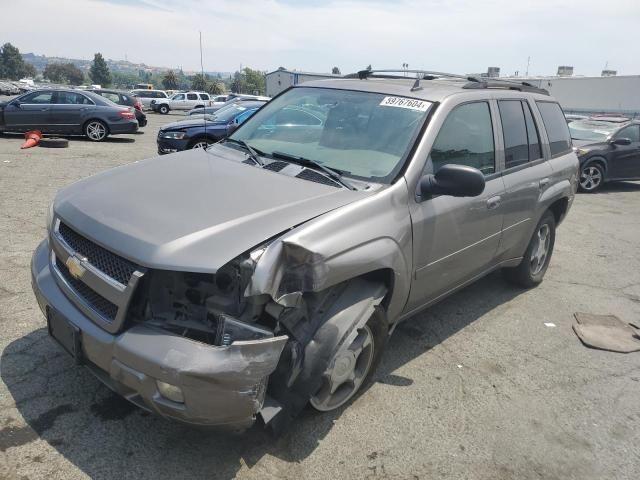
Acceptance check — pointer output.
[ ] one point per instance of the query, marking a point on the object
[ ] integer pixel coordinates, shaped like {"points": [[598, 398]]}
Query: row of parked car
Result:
{"points": [[99, 113]]}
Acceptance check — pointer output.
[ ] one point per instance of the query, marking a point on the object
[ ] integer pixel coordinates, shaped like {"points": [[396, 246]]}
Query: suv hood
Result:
{"points": [[193, 210]]}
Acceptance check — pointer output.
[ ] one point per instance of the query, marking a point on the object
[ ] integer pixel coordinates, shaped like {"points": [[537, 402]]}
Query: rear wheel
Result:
{"points": [[591, 177], [536, 259], [96, 130], [352, 366]]}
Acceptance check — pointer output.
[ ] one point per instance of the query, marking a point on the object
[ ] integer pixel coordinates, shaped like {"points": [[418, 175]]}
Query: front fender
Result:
{"points": [[368, 236]]}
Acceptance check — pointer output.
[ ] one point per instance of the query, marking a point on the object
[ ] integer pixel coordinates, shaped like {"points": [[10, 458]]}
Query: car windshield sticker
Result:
{"points": [[409, 103]]}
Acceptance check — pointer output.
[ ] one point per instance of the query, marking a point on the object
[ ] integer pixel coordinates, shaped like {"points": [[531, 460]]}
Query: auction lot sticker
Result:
{"points": [[409, 103]]}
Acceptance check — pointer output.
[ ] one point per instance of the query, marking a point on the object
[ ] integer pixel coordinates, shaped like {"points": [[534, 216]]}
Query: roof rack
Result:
{"points": [[426, 74], [473, 82], [508, 84]]}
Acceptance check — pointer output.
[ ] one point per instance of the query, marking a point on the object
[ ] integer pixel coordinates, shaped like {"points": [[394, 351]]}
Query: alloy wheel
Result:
{"points": [[201, 144], [540, 249], [346, 373], [96, 131], [590, 178]]}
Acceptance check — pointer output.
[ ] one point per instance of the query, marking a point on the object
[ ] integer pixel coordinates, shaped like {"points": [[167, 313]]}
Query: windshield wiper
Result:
{"points": [[252, 153], [332, 173]]}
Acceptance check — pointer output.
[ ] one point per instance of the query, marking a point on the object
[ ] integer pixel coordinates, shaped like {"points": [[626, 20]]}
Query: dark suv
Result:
{"points": [[608, 149], [268, 271]]}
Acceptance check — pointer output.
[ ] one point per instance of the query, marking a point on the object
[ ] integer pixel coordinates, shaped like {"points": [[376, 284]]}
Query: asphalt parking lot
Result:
{"points": [[477, 387]]}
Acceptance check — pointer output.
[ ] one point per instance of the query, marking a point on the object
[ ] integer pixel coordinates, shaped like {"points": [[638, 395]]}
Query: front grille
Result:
{"points": [[109, 263], [314, 176], [96, 301]]}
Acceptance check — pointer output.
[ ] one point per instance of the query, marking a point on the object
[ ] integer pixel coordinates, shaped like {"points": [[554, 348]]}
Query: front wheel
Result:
{"points": [[96, 130], [352, 366], [164, 109], [200, 143], [536, 259], [591, 177]]}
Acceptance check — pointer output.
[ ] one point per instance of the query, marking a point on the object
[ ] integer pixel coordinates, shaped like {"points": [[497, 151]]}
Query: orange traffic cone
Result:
{"points": [[32, 138]]}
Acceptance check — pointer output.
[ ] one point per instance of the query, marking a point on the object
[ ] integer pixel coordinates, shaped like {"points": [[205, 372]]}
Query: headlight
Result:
{"points": [[50, 216], [582, 151], [173, 135]]}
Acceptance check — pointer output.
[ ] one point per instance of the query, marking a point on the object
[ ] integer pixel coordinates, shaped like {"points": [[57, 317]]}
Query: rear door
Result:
{"points": [[29, 112], [456, 238], [527, 174], [68, 111], [192, 101], [625, 159]]}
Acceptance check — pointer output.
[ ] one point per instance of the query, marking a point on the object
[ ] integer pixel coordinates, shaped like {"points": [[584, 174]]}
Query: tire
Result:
{"points": [[96, 130], [376, 331], [531, 270], [163, 109], [591, 177], [54, 142], [199, 143]]}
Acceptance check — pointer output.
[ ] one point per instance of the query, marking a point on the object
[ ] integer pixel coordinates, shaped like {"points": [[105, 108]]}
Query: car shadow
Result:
{"points": [[105, 436], [615, 187]]}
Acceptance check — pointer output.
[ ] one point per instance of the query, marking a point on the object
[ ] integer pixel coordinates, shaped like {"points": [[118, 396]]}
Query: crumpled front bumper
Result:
{"points": [[221, 385]]}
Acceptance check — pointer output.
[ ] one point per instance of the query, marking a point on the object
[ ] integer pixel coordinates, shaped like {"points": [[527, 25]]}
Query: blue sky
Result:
{"points": [[463, 36]]}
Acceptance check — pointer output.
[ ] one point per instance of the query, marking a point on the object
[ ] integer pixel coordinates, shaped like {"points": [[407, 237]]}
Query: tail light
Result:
{"points": [[127, 114]]}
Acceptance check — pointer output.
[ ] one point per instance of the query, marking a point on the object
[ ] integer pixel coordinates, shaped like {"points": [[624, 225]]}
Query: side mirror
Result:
{"points": [[621, 141], [15, 103], [453, 180]]}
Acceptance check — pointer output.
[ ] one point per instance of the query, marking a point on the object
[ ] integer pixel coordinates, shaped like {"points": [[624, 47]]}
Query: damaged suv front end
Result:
{"points": [[184, 349]]}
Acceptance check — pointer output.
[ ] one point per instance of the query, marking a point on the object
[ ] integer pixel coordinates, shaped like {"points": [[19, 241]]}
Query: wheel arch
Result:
{"points": [[596, 159]]}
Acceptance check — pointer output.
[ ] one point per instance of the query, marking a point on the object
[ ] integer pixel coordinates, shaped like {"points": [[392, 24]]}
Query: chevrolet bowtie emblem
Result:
{"points": [[75, 267]]}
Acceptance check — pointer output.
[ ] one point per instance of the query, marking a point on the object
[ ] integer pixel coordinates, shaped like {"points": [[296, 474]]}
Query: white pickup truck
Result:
{"points": [[181, 101]]}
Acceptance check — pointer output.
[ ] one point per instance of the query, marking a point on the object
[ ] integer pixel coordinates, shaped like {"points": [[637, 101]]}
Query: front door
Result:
{"points": [[625, 159], [30, 112], [456, 239]]}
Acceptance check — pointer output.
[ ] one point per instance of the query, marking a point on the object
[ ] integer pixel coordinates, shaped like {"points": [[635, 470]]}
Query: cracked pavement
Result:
{"points": [[476, 387]]}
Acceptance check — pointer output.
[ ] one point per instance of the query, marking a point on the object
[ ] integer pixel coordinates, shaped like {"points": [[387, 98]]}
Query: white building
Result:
{"points": [[613, 94], [280, 80]]}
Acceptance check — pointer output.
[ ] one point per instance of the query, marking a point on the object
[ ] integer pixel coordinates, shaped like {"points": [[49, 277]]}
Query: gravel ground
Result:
{"points": [[476, 387]]}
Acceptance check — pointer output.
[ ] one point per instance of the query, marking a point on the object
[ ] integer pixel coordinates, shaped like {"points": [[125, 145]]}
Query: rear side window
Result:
{"points": [[466, 138], [556, 126], [521, 142], [192, 96], [535, 152], [160, 95], [514, 129], [71, 98], [204, 96]]}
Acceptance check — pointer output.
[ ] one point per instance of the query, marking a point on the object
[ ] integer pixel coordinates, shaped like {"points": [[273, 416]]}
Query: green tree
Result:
{"points": [[335, 71], [199, 82], [12, 65], [256, 81], [170, 81], [99, 71], [215, 87], [63, 73]]}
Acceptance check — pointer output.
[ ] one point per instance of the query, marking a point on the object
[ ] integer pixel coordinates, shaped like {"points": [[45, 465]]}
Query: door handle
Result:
{"points": [[544, 182], [494, 202]]}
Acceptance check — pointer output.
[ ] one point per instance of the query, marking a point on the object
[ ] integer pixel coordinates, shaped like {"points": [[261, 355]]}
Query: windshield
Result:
{"points": [[364, 135], [229, 113], [591, 130]]}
